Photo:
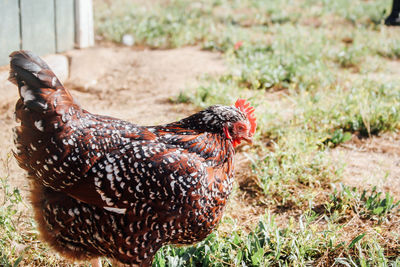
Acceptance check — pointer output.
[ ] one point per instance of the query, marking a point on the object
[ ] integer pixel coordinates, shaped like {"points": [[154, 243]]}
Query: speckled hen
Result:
{"points": [[106, 187]]}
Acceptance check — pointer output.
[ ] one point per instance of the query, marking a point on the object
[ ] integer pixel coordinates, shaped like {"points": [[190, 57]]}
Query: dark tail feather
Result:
{"points": [[42, 109], [30, 69], [35, 80]]}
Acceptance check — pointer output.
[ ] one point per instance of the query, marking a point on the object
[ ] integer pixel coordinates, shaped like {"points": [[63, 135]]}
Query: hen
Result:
{"points": [[105, 187]]}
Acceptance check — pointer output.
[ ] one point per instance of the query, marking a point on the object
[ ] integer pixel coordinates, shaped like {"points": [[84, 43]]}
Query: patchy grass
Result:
{"points": [[367, 205], [19, 243], [9, 216], [163, 26], [324, 76], [325, 60]]}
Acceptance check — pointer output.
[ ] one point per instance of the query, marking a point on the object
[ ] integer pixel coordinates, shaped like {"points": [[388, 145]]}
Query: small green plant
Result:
{"points": [[183, 97], [9, 215], [176, 24], [367, 205], [376, 205], [390, 49], [267, 245], [359, 14], [338, 137], [348, 57]]}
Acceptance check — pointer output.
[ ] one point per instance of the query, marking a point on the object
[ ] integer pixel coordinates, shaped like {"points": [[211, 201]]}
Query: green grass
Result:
{"points": [[161, 27], [19, 242], [329, 99], [331, 62], [367, 205], [301, 242], [9, 216]]}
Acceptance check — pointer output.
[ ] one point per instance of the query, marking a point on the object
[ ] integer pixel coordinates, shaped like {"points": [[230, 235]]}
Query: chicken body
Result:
{"points": [[105, 187]]}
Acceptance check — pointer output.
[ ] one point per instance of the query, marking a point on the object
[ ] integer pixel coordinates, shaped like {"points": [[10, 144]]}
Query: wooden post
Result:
{"points": [[84, 32]]}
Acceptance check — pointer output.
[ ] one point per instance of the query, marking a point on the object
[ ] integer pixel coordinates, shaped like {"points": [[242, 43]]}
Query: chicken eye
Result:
{"points": [[241, 128]]}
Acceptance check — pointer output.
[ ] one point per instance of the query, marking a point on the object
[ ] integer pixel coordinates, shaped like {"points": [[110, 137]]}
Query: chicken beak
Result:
{"points": [[249, 140]]}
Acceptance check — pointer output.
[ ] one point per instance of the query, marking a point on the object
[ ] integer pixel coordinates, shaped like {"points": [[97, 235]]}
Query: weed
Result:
{"points": [[390, 49], [300, 243], [349, 57], [180, 23], [367, 205], [338, 137], [9, 216], [366, 13], [183, 97], [377, 206]]}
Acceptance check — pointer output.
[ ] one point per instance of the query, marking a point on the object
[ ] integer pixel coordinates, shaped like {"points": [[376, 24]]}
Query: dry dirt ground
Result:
{"points": [[371, 162], [137, 85]]}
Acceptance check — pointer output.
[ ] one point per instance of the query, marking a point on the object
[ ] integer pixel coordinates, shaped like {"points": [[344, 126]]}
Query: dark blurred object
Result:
{"points": [[394, 18], [347, 40]]}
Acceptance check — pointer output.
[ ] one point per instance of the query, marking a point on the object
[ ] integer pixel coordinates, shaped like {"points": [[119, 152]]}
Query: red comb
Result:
{"points": [[245, 107]]}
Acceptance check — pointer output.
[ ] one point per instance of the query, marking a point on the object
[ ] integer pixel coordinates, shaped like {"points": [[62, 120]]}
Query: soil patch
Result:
{"points": [[137, 85], [371, 162]]}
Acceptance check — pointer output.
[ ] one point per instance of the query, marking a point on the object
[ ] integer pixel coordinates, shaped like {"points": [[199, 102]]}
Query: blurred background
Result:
{"points": [[321, 185]]}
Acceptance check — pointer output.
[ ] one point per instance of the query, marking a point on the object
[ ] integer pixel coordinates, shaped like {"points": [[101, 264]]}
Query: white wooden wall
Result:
{"points": [[45, 26]]}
